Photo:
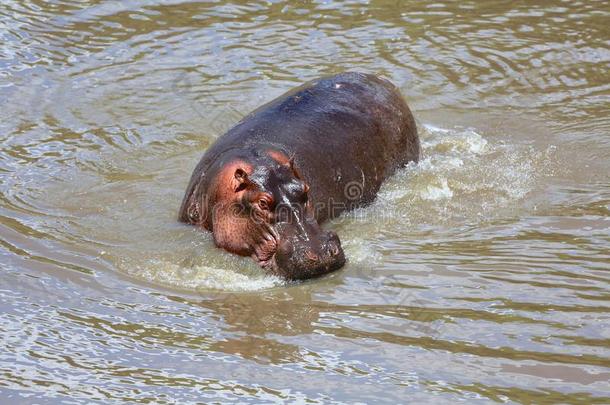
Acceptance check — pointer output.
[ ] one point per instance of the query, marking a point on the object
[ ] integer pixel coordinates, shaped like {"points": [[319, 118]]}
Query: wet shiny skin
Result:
{"points": [[316, 254], [302, 249], [478, 275]]}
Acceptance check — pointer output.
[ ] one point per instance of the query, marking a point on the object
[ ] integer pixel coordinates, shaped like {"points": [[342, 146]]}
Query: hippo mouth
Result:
{"points": [[270, 265], [265, 250]]}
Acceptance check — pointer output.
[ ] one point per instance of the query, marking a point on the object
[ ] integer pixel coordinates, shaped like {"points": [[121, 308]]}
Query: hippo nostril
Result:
{"points": [[334, 249], [311, 256]]}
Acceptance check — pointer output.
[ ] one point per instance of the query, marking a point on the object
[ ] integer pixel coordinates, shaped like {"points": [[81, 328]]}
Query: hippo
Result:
{"points": [[265, 186]]}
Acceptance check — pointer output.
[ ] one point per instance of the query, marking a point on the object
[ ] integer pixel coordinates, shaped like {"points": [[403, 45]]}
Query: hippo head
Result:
{"points": [[263, 209]]}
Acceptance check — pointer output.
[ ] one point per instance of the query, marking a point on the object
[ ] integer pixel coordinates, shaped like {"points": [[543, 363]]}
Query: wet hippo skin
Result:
{"points": [[323, 148]]}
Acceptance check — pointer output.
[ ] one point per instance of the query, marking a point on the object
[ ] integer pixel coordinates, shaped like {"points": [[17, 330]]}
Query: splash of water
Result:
{"points": [[461, 178], [202, 277]]}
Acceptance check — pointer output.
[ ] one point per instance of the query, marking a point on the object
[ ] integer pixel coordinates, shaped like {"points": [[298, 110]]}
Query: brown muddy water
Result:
{"points": [[481, 274]]}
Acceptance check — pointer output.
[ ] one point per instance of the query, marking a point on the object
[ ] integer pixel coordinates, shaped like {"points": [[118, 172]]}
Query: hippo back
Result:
{"points": [[347, 134]]}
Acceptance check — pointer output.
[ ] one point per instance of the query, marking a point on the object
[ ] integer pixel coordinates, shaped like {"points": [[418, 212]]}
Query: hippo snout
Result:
{"points": [[299, 258]]}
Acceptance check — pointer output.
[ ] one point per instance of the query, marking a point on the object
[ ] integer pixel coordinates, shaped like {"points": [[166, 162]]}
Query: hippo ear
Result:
{"points": [[194, 205], [240, 180]]}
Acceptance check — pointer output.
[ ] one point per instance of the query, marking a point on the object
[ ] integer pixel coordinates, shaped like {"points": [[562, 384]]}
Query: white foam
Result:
{"points": [[453, 141], [202, 277], [360, 251], [476, 143], [436, 129], [438, 191], [460, 177]]}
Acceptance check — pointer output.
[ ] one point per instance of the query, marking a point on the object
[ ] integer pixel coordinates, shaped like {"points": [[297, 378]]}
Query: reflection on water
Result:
{"points": [[479, 274]]}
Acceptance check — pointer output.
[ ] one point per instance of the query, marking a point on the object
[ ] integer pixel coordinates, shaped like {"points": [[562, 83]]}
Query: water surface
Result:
{"points": [[480, 274]]}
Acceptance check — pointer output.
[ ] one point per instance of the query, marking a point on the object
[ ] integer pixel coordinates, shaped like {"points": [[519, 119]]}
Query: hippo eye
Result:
{"points": [[264, 203]]}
